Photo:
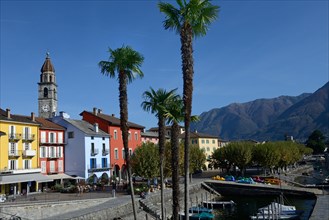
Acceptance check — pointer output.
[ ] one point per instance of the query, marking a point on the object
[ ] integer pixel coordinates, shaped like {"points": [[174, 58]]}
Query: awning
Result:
{"points": [[19, 178], [60, 176]]}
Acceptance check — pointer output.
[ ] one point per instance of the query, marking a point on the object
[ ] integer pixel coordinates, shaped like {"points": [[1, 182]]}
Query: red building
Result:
{"points": [[111, 125], [51, 149]]}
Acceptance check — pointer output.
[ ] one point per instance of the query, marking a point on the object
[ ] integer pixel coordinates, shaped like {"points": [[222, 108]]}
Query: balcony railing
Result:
{"points": [[94, 152], [29, 153], [21, 170], [14, 137], [44, 141], [28, 137], [98, 167], [14, 153], [105, 152], [53, 156]]}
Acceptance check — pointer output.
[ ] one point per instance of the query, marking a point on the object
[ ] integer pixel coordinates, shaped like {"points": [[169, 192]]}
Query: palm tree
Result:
{"points": [[156, 102], [175, 115], [190, 20], [124, 63]]}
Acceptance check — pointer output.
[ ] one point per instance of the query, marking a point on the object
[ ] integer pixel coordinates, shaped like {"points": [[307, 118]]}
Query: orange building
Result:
{"points": [[111, 125]]}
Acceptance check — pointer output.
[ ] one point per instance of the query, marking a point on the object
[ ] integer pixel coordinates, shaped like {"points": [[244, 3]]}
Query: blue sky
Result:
{"points": [[256, 49]]}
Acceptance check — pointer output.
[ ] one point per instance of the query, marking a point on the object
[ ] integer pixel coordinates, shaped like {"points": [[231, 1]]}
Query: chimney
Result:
{"points": [[95, 111], [113, 115], [8, 112], [32, 116], [100, 111], [96, 127]]}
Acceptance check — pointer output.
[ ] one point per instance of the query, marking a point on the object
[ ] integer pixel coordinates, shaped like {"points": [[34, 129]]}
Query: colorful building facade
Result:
{"points": [[19, 162], [111, 125]]}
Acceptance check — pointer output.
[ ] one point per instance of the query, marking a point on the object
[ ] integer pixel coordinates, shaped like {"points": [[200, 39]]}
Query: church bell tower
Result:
{"points": [[47, 93]]}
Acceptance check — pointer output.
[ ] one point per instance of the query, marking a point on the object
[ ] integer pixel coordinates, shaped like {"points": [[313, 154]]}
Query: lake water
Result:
{"points": [[247, 206]]}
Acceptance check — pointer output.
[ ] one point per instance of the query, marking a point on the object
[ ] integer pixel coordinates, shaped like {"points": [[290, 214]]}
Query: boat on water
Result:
{"points": [[198, 213], [199, 209], [198, 216], [218, 204], [277, 211]]}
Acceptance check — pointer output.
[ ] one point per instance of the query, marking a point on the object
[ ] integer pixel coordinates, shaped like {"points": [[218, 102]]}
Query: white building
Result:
{"points": [[87, 149]]}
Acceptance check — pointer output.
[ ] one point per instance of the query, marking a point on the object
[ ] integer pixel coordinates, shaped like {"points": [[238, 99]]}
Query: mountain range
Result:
{"points": [[269, 119]]}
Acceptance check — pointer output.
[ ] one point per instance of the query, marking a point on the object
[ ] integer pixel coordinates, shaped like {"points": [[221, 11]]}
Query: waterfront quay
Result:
{"points": [[233, 188], [102, 205]]}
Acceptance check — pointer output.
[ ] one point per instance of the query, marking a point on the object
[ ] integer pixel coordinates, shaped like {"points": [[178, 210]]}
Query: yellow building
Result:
{"points": [[207, 142], [19, 170]]}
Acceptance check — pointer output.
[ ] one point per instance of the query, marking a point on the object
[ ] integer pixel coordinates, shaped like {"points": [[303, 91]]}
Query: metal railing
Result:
{"points": [[14, 153], [105, 152], [14, 136], [28, 137], [98, 167], [94, 152]]}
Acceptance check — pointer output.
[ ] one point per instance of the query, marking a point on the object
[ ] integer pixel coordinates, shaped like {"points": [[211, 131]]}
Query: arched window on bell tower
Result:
{"points": [[45, 92]]}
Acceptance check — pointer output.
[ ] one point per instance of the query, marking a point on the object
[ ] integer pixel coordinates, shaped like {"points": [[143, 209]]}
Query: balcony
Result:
{"points": [[98, 168], [25, 170], [14, 137], [94, 152], [105, 152], [43, 141], [28, 137], [29, 153], [13, 153], [53, 156]]}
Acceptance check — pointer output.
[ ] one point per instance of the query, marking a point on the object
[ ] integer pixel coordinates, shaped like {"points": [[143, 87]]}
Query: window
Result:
{"points": [[115, 135], [103, 138], [104, 162], [52, 152], [130, 151], [60, 138], [129, 135], [116, 155], [60, 166], [12, 149], [202, 141], [52, 138], [45, 92], [208, 149], [93, 163], [92, 137], [12, 164], [136, 136], [52, 166], [27, 164], [26, 133], [43, 166], [60, 154], [43, 137], [42, 152], [92, 148], [213, 141], [12, 131], [123, 153], [207, 141], [71, 134]]}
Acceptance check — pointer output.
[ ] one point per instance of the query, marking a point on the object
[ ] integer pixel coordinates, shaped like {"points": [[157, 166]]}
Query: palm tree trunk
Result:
{"points": [[186, 36], [162, 140], [124, 128], [175, 169]]}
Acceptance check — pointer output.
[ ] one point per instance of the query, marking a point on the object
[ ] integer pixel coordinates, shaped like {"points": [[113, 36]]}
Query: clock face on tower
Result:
{"points": [[45, 108]]}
